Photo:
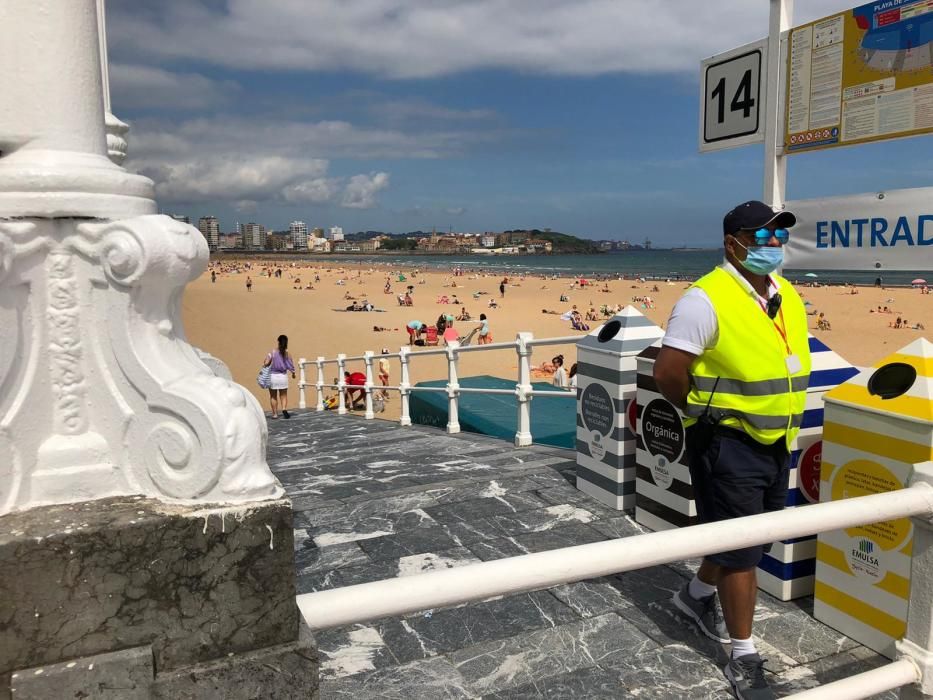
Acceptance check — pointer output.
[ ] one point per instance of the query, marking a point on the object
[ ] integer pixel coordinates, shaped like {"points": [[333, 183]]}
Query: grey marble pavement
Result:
{"points": [[374, 500]]}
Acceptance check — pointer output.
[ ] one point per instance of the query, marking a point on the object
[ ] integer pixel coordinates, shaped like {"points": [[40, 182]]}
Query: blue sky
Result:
{"points": [[397, 115]]}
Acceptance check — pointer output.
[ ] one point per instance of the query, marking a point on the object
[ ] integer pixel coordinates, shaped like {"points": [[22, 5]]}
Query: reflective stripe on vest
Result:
{"points": [[745, 378]]}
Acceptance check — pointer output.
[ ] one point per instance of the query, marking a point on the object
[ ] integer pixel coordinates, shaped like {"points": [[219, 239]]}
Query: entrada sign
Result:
{"points": [[881, 231]]}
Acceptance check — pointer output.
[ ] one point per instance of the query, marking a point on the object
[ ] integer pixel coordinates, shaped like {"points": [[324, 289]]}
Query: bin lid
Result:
{"points": [[900, 385], [627, 333]]}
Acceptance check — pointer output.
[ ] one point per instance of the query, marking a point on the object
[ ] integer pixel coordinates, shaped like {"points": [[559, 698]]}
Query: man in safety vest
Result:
{"points": [[736, 360]]}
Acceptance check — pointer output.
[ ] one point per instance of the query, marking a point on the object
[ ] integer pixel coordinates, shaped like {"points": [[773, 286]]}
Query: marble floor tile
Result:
{"points": [[826, 670], [313, 559], [499, 548], [592, 683], [673, 671], [591, 598], [350, 650], [621, 525], [648, 585], [802, 638], [408, 542], [486, 506], [565, 536], [534, 657], [370, 527], [429, 679], [542, 519]]}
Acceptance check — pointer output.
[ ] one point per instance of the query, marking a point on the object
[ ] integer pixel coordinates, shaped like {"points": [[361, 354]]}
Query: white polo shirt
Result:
{"points": [[693, 326]]}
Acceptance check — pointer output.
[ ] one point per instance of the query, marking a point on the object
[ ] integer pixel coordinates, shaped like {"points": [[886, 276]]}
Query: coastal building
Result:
{"points": [[511, 238], [299, 234], [279, 240], [210, 229], [335, 234], [318, 244], [229, 240], [252, 236], [488, 240]]}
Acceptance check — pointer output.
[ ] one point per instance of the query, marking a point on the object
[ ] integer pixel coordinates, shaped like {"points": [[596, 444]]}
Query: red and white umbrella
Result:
{"points": [[919, 281]]}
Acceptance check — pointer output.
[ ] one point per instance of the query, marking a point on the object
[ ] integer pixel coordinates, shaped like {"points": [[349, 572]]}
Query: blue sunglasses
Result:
{"points": [[763, 235]]}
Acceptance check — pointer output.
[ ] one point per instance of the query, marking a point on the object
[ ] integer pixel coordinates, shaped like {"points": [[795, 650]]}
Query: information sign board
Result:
{"points": [[873, 231], [732, 102], [861, 75]]}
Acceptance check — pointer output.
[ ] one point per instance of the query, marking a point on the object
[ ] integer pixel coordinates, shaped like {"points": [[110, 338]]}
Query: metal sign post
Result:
{"points": [[782, 14]]}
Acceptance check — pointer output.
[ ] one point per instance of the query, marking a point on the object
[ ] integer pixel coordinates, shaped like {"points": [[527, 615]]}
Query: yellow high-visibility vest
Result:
{"points": [[757, 388]]}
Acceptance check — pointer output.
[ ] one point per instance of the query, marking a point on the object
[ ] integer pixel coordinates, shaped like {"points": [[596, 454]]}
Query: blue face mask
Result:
{"points": [[762, 260]]}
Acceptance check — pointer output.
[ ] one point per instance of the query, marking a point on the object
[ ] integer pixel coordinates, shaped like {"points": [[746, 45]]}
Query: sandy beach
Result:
{"points": [[240, 326]]}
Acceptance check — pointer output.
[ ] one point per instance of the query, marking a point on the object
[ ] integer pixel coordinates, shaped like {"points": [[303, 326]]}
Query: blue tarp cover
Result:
{"points": [[553, 421]]}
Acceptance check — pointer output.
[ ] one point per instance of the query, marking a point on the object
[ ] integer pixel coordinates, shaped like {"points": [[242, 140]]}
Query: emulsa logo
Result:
{"points": [[864, 559], [864, 551]]}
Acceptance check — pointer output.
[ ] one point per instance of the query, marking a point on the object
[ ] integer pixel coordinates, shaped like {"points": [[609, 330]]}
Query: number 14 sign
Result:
{"points": [[732, 99]]}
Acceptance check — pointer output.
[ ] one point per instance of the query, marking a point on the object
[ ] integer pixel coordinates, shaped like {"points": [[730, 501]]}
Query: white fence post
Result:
{"points": [[301, 383], [917, 643], [341, 384], [523, 389], [453, 388], [368, 390], [320, 383], [404, 386]]}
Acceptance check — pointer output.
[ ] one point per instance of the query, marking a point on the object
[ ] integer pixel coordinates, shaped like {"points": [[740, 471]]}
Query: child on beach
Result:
{"points": [[484, 336]]}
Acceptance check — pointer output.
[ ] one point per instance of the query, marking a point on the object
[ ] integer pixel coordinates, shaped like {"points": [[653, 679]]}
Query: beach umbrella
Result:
{"points": [[919, 281], [811, 274]]}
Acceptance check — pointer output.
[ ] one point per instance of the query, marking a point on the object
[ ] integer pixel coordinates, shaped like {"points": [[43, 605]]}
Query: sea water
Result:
{"points": [[650, 264]]}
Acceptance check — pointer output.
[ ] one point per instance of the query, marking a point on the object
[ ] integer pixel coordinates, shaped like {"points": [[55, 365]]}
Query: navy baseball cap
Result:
{"points": [[754, 215]]}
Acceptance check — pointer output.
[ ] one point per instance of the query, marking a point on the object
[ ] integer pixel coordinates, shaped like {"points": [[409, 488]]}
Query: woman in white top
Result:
{"points": [[560, 374]]}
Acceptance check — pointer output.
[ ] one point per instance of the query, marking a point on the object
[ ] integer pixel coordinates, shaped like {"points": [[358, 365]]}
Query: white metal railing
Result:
{"points": [[523, 345], [398, 596]]}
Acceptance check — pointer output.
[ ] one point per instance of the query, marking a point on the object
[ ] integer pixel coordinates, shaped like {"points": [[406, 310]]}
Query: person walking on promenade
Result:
{"points": [[280, 363], [735, 358]]}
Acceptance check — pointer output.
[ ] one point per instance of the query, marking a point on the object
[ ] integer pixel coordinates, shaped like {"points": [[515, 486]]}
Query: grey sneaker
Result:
{"points": [[747, 676], [705, 612]]}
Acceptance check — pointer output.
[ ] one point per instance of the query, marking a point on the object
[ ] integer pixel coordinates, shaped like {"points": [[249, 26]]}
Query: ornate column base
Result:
{"points": [[208, 591], [100, 394]]}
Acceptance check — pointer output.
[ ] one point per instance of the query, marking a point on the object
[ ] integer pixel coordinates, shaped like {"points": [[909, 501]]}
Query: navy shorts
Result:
{"points": [[736, 476]]}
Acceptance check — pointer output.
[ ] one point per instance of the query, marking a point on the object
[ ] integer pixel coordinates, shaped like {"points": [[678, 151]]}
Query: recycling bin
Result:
{"points": [[606, 371], [876, 427]]}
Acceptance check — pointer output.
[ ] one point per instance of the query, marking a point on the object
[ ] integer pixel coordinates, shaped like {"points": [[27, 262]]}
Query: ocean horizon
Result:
{"points": [[655, 264]]}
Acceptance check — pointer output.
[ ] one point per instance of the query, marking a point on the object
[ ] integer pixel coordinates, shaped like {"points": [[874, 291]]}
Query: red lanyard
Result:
{"points": [[781, 329]]}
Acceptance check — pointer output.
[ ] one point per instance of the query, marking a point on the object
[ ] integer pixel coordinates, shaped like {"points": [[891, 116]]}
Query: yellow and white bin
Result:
{"points": [[876, 427]]}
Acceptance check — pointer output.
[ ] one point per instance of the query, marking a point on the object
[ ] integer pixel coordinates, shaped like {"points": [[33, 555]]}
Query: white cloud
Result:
{"points": [[145, 87], [426, 38], [258, 158], [193, 164], [360, 192]]}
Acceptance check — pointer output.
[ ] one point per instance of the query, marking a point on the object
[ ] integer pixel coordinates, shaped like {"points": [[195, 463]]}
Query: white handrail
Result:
{"points": [[523, 346], [398, 596], [864, 685]]}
